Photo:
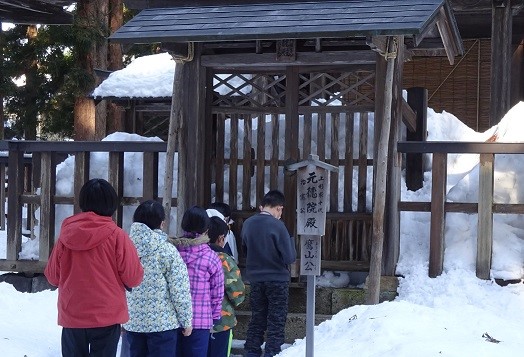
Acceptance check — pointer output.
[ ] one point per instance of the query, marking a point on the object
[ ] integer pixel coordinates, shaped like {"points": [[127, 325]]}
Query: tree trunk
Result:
{"points": [[101, 53], [30, 118], [115, 114], [2, 43], [84, 115]]}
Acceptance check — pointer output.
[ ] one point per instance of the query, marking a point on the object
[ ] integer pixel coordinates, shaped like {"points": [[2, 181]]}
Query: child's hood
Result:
{"points": [[86, 230], [191, 248], [146, 240]]}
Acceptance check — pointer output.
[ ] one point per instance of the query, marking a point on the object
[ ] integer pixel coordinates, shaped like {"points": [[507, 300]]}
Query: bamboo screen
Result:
{"points": [[462, 89]]}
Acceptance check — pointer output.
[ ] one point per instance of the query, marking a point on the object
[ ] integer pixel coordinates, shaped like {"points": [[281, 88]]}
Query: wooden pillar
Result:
{"points": [[501, 34], [192, 128], [47, 205], [393, 182], [379, 191], [418, 101]]}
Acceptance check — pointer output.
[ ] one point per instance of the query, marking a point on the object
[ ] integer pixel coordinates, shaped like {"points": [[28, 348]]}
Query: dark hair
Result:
{"points": [[98, 196], [195, 220], [217, 227], [273, 198], [222, 208], [151, 213]]}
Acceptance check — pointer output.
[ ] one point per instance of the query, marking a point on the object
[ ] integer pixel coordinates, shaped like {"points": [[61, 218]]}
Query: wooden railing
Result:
{"points": [[438, 207], [44, 156]]}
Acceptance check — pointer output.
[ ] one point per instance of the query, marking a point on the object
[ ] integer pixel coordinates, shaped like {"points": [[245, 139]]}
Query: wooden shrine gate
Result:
{"points": [[266, 120]]}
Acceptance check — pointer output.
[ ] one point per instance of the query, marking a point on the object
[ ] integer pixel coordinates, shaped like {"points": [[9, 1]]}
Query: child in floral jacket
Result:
{"points": [[222, 332], [160, 307]]}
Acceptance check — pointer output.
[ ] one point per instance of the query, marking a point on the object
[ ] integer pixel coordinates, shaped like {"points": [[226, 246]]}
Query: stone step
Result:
{"points": [[295, 325]]}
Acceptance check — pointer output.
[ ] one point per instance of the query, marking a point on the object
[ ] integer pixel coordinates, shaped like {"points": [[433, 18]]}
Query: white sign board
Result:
{"points": [[312, 197], [310, 255]]}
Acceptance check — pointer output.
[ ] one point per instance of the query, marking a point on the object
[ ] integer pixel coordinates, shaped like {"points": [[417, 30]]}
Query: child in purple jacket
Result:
{"points": [[206, 280]]}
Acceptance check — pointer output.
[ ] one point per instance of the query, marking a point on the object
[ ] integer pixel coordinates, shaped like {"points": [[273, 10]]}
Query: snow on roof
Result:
{"points": [[152, 77], [146, 77]]}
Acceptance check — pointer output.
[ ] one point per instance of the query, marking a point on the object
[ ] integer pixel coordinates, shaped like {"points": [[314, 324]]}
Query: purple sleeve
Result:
{"points": [[216, 286]]}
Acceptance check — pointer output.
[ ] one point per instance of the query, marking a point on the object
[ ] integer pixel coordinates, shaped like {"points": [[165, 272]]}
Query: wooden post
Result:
{"points": [[438, 214], [501, 36], [176, 121], [14, 205], [47, 206], [485, 217], [379, 193], [418, 101]]}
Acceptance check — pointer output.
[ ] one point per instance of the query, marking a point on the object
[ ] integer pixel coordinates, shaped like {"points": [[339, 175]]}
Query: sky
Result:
{"points": [[455, 314]]}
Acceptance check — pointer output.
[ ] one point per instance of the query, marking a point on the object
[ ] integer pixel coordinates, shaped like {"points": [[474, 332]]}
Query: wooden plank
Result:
{"points": [[29, 266], [348, 163], [335, 124], [47, 206], [485, 217], [273, 166], [81, 175], [353, 265], [233, 167], [261, 154], [116, 179], [438, 215], [362, 162], [14, 206], [321, 136], [306, 150], [219, 157], [246, 163], [150, 176]]}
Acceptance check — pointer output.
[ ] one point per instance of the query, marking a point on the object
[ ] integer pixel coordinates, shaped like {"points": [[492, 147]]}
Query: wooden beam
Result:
{"points": [[333, 58], [409, 117], [485, 217]]}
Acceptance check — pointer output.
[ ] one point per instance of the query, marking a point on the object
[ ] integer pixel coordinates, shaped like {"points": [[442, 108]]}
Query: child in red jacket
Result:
{"points": [[92, 263]]}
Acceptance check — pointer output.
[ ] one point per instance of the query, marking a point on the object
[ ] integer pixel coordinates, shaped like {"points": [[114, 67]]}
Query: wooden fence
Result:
{"points": [[438, 206], [45, 154]]}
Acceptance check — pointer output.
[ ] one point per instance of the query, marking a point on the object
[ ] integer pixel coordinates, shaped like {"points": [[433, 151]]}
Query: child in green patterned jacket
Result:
{"points": [[222, 331], [161, 305]]}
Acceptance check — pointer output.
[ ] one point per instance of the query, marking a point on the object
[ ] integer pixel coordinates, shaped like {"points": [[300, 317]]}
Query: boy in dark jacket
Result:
{"points": [[92, 263], [269, 251]]}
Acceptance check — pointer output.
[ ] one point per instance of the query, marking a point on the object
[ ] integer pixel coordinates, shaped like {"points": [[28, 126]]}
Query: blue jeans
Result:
{"points": [[194, 345], [153, 344]]}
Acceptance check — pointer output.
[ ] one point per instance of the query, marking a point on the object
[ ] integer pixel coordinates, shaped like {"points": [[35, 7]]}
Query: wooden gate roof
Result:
{"points": [[36, 12], [282, 20]]}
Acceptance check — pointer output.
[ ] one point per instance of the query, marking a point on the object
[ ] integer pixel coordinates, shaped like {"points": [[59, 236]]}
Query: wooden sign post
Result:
{"points": [[312, 203]]}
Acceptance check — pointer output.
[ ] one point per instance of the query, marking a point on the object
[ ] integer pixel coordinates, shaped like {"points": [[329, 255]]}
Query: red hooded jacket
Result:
{"points": [[92, 263]]}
